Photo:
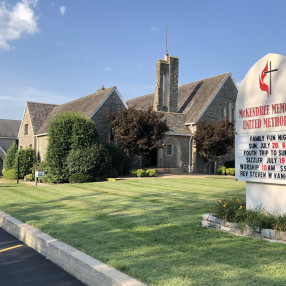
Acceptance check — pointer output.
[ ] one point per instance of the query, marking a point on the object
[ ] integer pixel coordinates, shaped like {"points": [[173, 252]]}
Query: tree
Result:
{"points": [[10, 157], [93, 161], [67, 131], [137, 132], [27, 158], [214, 139]]}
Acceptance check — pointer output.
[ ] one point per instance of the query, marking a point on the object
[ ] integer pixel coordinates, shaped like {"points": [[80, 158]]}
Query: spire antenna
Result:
{"points": [[167, 38]]}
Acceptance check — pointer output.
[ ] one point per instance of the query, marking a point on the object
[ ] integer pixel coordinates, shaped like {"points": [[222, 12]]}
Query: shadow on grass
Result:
{"points": [[156, 242]]}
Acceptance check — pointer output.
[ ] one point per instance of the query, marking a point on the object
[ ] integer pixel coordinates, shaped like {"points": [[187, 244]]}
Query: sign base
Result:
{"points": [[270, 197]]}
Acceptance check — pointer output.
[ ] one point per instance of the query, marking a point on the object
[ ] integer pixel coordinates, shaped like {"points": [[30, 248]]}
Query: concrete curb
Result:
{"points": [[90, 271]]}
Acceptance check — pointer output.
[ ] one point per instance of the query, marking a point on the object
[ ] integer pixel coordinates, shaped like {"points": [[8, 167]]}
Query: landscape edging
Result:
{"points": [[89, 270], [211, 221]]}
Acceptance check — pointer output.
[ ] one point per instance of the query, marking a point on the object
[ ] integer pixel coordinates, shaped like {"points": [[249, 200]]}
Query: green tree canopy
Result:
{"points": [[10, 157], [67, 131], [137, 131], [214, 139]]}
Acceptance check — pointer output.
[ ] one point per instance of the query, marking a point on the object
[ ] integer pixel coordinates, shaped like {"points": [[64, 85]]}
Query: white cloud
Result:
{"points": [[62, 10], [154, 29], [17, 22]]}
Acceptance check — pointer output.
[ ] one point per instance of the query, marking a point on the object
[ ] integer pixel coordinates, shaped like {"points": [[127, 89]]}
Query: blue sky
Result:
{"points": [[56, 51]]}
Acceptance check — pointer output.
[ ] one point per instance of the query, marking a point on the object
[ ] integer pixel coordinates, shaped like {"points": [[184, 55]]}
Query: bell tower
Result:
{"points": [[166, 88]]}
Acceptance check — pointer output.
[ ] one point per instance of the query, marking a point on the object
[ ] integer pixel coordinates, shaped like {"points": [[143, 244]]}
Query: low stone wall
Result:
{"points": [[89, 270], [211, 221]]}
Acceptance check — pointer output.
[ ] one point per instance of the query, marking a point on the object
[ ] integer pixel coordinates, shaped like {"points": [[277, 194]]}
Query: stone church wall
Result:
{"points": [[226, 97], [112, 104], [181, 146], [29, 139]]}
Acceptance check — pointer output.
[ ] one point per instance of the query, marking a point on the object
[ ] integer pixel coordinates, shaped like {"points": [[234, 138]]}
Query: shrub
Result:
{"points": [[120, 163], [29, 177], [133, 173], [43, 179], [27, 158], [9, 174], [221, 170], [79, 178], [93, 161], [141, 173], [227, 171], [11, 157], [67, 131], [151, 173], [234, 210], [231, 209], [231, 171]]}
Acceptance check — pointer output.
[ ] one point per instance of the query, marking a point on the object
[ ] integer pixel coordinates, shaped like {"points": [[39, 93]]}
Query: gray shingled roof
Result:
{"points": [[84, 105], [39, 113], [176, 123], [193, 98], [9, 128]]}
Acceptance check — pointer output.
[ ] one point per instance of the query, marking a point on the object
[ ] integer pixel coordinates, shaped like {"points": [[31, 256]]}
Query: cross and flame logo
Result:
{"points": [[263, 86]]}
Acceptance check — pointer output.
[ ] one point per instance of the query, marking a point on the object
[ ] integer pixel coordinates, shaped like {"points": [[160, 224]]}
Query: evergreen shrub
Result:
{"points": [[79, 178], [120, 162], [11, 157], [68, 132], [27, 158], [93, 161]]}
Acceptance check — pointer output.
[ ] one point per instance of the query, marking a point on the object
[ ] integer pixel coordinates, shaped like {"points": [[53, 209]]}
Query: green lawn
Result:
{"points": [[150, 229]]}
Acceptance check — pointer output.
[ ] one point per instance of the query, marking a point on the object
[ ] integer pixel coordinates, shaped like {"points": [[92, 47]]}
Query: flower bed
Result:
{"points": [[211, 221]]}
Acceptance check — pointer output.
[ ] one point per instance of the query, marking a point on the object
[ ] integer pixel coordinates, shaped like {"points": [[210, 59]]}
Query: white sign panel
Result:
{"points": [[261, 123], [39, 174]]}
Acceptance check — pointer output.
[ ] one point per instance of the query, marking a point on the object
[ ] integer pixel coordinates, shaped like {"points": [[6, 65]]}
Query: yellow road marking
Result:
{"points": [[16, 246]]}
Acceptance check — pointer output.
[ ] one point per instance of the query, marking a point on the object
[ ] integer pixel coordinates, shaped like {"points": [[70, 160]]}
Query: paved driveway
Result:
{"points": [[21, 265]]}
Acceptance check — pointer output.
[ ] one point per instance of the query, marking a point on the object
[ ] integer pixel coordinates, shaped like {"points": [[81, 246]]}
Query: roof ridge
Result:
{"points": [[228, 73], [100, 90]]}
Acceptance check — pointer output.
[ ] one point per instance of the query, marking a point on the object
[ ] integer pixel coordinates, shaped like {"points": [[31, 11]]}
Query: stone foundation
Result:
{"points": [[211, 221]]}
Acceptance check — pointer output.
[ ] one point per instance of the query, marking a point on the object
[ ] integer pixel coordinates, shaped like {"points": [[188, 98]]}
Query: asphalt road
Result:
{"points": [[21, 265]]}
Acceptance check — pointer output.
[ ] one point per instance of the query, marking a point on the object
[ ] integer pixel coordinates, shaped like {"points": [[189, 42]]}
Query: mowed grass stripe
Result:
{"points": [[151, 234]]}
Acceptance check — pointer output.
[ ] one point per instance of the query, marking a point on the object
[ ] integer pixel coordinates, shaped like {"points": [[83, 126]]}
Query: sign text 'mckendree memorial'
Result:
{"points": [[266, 110]]}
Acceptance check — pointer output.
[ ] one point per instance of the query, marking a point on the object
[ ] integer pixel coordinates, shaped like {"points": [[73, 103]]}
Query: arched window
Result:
{"points": [[233, 115], [222, 113], [227, 110]]}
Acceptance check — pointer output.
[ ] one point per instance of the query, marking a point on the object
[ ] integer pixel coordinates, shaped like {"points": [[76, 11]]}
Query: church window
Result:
{"points": [[222, 113], [233, 115], [165, 90], [169, 150], [26, 129], [227, 110]]}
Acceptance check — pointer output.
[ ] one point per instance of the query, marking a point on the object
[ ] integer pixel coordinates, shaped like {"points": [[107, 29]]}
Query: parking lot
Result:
{"points": [[21, 265]]}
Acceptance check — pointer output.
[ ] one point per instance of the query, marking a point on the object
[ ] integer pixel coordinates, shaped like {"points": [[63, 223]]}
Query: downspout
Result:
{"points": [[191, 149], [190, 152], [37, 149]]}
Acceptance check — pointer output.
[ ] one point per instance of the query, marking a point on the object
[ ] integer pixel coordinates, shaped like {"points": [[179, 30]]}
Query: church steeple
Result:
{"points": [[166, 89]]}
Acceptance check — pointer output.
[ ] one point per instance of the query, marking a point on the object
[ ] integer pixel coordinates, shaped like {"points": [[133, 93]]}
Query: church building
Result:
{"points": [[184, 107], [34, 127]]}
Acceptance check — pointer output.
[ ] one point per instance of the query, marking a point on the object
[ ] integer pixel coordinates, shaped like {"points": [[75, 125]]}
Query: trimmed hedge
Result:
{"points": [[93, 161]]}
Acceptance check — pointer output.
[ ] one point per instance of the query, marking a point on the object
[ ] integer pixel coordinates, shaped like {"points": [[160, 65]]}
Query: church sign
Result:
{"points": [[261, 123]]}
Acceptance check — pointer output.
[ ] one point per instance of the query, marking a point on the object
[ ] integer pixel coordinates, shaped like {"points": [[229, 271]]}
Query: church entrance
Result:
{"points": [[150, 160]]}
